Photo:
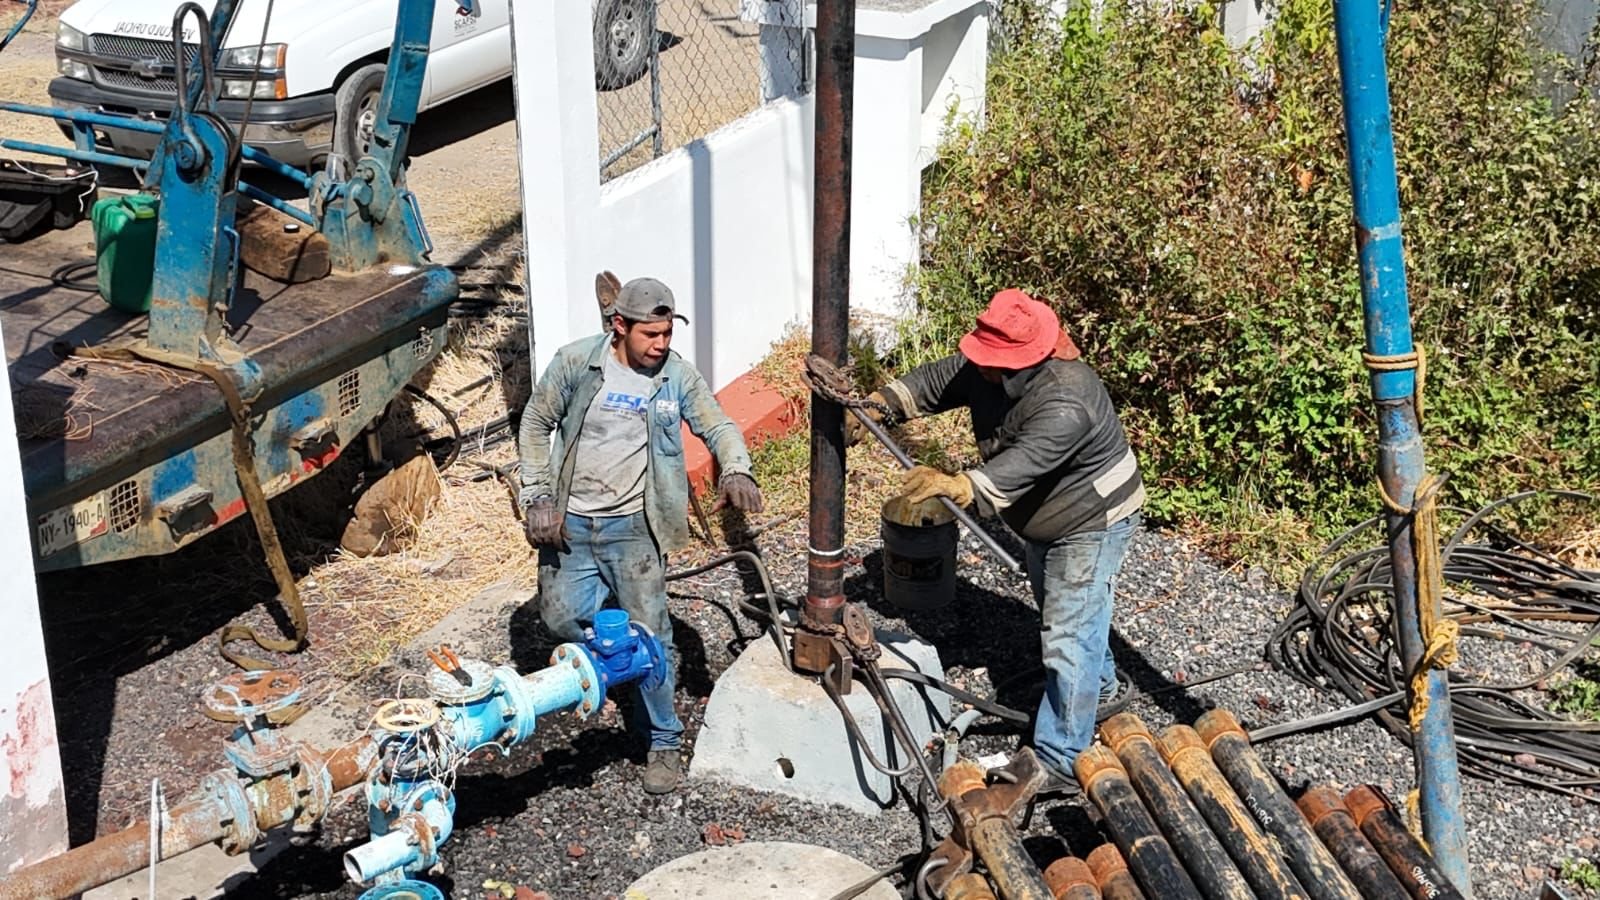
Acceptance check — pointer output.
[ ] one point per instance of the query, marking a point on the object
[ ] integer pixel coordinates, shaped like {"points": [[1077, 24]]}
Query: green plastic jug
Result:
{"points": [[125, 249]]}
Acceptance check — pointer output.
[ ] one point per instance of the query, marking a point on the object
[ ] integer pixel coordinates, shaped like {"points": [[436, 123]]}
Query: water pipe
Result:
{"points": [[410, 808], [1360, 29]]}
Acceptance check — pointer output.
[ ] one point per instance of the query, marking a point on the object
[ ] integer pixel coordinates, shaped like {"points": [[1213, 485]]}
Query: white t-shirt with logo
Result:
{"points": [[613, 445]]}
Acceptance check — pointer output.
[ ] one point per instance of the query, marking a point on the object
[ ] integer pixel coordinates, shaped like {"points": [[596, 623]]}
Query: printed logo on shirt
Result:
{"points": [[616, 401], [666, 408]]}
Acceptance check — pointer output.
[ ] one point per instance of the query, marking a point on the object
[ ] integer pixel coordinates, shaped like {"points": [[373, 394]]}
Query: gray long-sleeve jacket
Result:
{"points": [[1055, 459], [561, 401]]}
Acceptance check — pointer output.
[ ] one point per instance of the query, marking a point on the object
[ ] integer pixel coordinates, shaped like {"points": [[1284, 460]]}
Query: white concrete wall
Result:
{"points": [[726, 220], [33, 812]]}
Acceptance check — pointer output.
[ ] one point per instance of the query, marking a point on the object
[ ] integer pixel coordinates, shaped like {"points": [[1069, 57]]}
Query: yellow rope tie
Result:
{"points": [[1438, 633], [1399, 362]]}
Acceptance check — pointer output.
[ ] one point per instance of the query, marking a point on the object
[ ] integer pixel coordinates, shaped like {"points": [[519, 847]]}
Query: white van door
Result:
{"points": [[470, 48]]}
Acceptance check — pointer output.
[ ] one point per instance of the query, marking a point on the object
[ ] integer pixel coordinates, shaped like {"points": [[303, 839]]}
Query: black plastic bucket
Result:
{"points": [[919, 554]]}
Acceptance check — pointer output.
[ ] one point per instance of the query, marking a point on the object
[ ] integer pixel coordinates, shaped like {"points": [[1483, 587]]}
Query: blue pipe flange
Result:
{"points": [[408, 889], [420, 820], [567, 661], [232, 805]]}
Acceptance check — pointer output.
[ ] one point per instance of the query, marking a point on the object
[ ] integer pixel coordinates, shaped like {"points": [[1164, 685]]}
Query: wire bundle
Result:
{"points": [[1342, 634]]}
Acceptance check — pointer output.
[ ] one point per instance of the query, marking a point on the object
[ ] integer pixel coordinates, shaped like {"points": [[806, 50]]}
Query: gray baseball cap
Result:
{"points": [[646, 300]]}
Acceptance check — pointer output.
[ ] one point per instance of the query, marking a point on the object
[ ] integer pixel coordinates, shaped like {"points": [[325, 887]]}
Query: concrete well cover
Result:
{"points": [[756, 871]]}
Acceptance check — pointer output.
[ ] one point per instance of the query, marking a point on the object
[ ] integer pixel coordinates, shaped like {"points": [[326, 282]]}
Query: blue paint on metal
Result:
{"points": [[1359, 27], [17, 28], [410, 819], [624, 651], [260, 196], [83, 156], [407, 889], [289, 417], [172, 475]]}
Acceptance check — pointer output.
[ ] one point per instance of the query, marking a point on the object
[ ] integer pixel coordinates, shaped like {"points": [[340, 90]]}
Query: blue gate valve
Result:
{"points": [[623, 651]]}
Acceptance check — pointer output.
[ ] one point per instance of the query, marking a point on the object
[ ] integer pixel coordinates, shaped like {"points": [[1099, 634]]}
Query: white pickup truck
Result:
{"points": [[311, 80]]}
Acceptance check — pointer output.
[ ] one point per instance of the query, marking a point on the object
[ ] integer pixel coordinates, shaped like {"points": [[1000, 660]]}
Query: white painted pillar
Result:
{"points": [[33, 810], [558, 141], [782, 45], [885, 177]]}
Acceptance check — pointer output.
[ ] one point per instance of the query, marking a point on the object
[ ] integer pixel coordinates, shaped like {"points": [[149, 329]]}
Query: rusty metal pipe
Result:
{"points": [[830, 302], [1069, 878], [1410, 863], [990, 833], [193, 823], [1149, 856], [1338, 830], [1229, 818], [1309, 859], [970, 886], [1112, 875], [1202, 853]]}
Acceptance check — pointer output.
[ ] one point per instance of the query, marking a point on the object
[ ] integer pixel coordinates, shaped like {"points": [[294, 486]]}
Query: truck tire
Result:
{"points": [[355, 110], [624, 37]]}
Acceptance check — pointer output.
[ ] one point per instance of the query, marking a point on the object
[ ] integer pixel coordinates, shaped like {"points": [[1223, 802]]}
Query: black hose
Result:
{"points": [[449, 418], [772, 614], [1341, 636], [973, 700]]}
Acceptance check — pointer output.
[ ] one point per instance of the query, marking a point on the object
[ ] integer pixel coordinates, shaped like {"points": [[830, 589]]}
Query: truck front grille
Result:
{"points": [[113, 57], [128, 81], [116, 46]]}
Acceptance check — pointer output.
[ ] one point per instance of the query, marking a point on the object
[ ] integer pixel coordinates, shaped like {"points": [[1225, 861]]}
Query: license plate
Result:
{"points": [[72, 525]]}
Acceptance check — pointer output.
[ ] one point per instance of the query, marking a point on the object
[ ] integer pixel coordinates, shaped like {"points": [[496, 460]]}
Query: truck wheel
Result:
{"points": [[623, 40], [355, 111]]}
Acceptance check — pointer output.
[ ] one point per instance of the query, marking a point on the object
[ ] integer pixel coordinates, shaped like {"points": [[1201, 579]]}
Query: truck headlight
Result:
{"points": [[73, 68], [265, 89], [69, 38], [262, 57]]}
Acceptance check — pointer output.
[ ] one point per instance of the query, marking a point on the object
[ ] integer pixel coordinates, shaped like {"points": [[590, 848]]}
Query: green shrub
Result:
{"points": [[1186, 207]]}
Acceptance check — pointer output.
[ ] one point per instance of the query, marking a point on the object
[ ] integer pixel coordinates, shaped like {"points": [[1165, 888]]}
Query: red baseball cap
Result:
{"points": [[1015, 332]]}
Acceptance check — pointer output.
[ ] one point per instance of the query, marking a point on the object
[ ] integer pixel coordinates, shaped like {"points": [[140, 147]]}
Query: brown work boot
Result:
{"points": [[662, 771]]}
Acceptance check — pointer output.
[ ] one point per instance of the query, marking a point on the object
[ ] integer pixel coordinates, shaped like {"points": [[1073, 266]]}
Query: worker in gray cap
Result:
{"points": [[608, 497]]}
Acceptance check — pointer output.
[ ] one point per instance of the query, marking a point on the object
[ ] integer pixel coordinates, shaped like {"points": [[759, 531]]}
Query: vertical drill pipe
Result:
{"points": [[1069, 878], [1338, 830], [1229, 818], [1111, 874], [1202, 853], [830, 302], [191, 824], [1149, 855], [1359, 27], [1309, 859], [1417, 871]]}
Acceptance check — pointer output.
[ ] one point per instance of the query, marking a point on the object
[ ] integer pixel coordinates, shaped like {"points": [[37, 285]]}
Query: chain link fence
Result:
{"points": [[710, 62]]}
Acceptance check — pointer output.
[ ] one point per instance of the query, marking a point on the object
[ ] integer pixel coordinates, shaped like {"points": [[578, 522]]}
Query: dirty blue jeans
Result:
{"points": [[1073, 581], [614, 558]]}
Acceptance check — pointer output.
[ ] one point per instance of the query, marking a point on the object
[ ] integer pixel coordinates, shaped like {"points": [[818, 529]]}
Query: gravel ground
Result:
{"points": [[565, 815]]}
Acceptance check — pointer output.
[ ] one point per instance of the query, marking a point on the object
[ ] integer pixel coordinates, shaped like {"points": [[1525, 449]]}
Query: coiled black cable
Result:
{"points": [[1341, 635]]}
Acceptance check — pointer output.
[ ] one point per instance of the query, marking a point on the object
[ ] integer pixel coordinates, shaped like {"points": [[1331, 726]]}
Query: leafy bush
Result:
{"points": [[1186, 207]]}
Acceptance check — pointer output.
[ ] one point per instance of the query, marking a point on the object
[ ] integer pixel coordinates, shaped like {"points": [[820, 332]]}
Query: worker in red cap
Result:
{"points": [[1058, 470]]}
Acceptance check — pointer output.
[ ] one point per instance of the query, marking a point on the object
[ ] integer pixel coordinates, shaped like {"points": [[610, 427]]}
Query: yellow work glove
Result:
{"points": [[854, 431], [924, 483]]}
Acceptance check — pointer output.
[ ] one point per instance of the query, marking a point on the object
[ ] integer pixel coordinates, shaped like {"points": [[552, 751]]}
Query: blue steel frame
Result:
{"points": [[1360, 27]]}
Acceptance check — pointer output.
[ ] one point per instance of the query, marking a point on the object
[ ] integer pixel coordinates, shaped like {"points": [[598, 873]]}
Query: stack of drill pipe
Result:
{"points": [[1337, 828], [1230, 820], [1202, 853], [1149, 856], [970, 886], [1070, 879], [1309, 859], [1112, 875], [1410, 863]]}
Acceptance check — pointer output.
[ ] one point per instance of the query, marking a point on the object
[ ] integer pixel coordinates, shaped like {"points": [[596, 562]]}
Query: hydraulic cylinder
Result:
{"points": [[1410, 863], [1338, 830]]}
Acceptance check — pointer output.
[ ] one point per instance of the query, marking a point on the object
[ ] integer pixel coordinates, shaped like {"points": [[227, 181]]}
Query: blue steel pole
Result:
{"points": [[1359, 26]]}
